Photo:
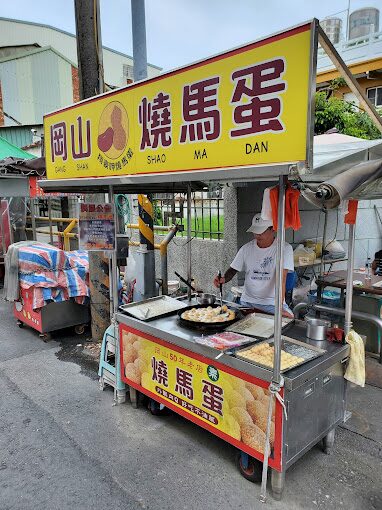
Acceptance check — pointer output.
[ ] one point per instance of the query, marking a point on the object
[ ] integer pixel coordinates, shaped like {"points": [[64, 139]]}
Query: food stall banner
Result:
{"points": [[206, 392], [248, 106], [96, 227]]}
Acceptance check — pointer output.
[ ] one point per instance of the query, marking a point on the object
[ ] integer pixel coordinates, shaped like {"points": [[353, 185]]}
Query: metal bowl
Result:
{"points": [[206, 299]]}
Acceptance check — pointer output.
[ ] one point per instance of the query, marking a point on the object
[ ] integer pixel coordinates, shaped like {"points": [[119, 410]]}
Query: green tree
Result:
{"points": [[332, 112]]}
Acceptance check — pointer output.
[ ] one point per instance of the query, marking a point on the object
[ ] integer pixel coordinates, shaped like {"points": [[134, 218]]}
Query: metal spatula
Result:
{"points": [[220, 289]]}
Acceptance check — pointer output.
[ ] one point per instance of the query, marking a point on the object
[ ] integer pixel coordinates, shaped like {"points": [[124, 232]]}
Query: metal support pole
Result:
{"points": [[323, 241], [119, 395], [50, 219], [277, 380], [33, 219], [139, 39], [114, 276], [163, 256], [2, 233], [146, 257], [279, 301], [349, 281], [189, 264]]}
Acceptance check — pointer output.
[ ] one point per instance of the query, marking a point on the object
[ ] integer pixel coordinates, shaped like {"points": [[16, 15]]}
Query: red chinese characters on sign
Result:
{"points": [[77, 141], [257, 105], [155, 119], [160, 371], [201, 115], [184, 383], [58, 142], [212, 397]]}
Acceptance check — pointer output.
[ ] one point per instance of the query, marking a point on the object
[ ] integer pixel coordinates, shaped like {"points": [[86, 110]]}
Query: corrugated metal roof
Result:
{"points": [[50, 27], [17, 135], [29, 53], [9, 150]]}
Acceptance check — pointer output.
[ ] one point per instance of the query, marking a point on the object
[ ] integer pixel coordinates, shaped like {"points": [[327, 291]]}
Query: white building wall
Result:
{"points": [[14, 33], [35, 85]]}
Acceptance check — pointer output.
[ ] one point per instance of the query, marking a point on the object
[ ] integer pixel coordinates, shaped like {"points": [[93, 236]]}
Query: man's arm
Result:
{"points": [[229, 274], [285, 272]]}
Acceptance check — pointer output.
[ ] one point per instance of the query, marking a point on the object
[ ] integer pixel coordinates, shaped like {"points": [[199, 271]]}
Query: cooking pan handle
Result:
{"points": [[185, 281]]}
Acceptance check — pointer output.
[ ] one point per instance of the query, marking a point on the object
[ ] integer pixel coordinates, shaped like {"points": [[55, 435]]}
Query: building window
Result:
{"points": [[375, 96], [128, 73]]}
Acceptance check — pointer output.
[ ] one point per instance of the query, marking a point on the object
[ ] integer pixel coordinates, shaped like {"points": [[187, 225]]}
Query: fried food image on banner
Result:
{"points": [[133, 373], [253, 436], [245, 410], [241, 416]]}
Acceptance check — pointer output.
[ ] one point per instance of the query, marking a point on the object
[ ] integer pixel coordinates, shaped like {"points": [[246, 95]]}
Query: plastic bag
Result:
{"points": [[303, 256], [129, 280], [130, 269], [301, 294]]}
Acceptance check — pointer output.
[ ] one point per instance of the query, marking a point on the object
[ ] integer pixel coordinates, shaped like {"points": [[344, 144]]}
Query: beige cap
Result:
{"points": [[259, 225]]}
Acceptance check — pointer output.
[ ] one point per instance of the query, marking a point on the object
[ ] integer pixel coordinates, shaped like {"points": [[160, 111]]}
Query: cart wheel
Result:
{"points": [[20, 324], [249, 467], [101, 383], [79, 329], [45, 337], [158, 409]]}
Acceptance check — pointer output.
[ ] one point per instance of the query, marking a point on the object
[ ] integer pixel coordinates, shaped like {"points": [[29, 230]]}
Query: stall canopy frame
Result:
{"points": [[155, 182]]}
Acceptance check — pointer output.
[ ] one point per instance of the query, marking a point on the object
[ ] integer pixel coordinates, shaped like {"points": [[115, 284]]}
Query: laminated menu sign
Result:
{"points": [[228, 403], [96, 227]]}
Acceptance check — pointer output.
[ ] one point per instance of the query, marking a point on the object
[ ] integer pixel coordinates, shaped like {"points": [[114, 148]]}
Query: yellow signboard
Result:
{"points": [[214, 396], [246, 107]]}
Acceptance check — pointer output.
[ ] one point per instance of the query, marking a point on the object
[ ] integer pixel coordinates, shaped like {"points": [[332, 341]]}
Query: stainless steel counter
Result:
{"points": [[169, 329]]}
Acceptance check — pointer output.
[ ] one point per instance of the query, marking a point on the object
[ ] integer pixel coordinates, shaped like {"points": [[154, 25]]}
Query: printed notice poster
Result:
{"points": [[97, 227]]}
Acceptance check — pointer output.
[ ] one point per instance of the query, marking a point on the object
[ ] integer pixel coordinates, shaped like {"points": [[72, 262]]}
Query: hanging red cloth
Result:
{"points": [[351, 215], [292, 213]]}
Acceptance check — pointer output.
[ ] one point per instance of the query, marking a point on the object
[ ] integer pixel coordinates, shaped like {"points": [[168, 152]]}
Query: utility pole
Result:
{"points": [[146, 255], [91, 83]]}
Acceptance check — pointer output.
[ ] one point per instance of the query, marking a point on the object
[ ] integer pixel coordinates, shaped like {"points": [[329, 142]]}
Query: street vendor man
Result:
{"points": [[258, 260]]}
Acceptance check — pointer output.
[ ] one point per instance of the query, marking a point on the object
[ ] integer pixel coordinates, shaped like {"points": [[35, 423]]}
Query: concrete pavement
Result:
{"points": [[63, 445]]}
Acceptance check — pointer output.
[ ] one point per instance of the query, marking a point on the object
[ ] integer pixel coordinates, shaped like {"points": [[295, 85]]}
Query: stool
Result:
{"points": [[109, 372]]}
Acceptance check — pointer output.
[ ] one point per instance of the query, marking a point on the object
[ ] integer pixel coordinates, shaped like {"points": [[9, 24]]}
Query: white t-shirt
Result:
{"points": [[259, 265]]}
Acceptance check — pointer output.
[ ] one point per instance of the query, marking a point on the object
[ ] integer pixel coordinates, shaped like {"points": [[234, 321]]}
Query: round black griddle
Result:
{"points": [[207, 326]]}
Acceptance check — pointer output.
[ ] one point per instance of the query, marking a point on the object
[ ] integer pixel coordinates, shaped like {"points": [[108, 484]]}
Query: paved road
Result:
{"points": [[64, 446]]}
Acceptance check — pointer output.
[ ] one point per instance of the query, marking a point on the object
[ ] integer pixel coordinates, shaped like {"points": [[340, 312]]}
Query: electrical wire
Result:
{"points": [[335, 233]]}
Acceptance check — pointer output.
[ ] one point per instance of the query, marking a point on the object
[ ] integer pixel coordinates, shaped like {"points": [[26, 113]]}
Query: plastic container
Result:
{"points": [[316, 244], [303, 256], [329, 297], [368, 272], [173, 286]]}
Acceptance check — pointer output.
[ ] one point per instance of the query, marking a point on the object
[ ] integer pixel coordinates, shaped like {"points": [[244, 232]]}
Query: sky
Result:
{"points": [[182, 31]]}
